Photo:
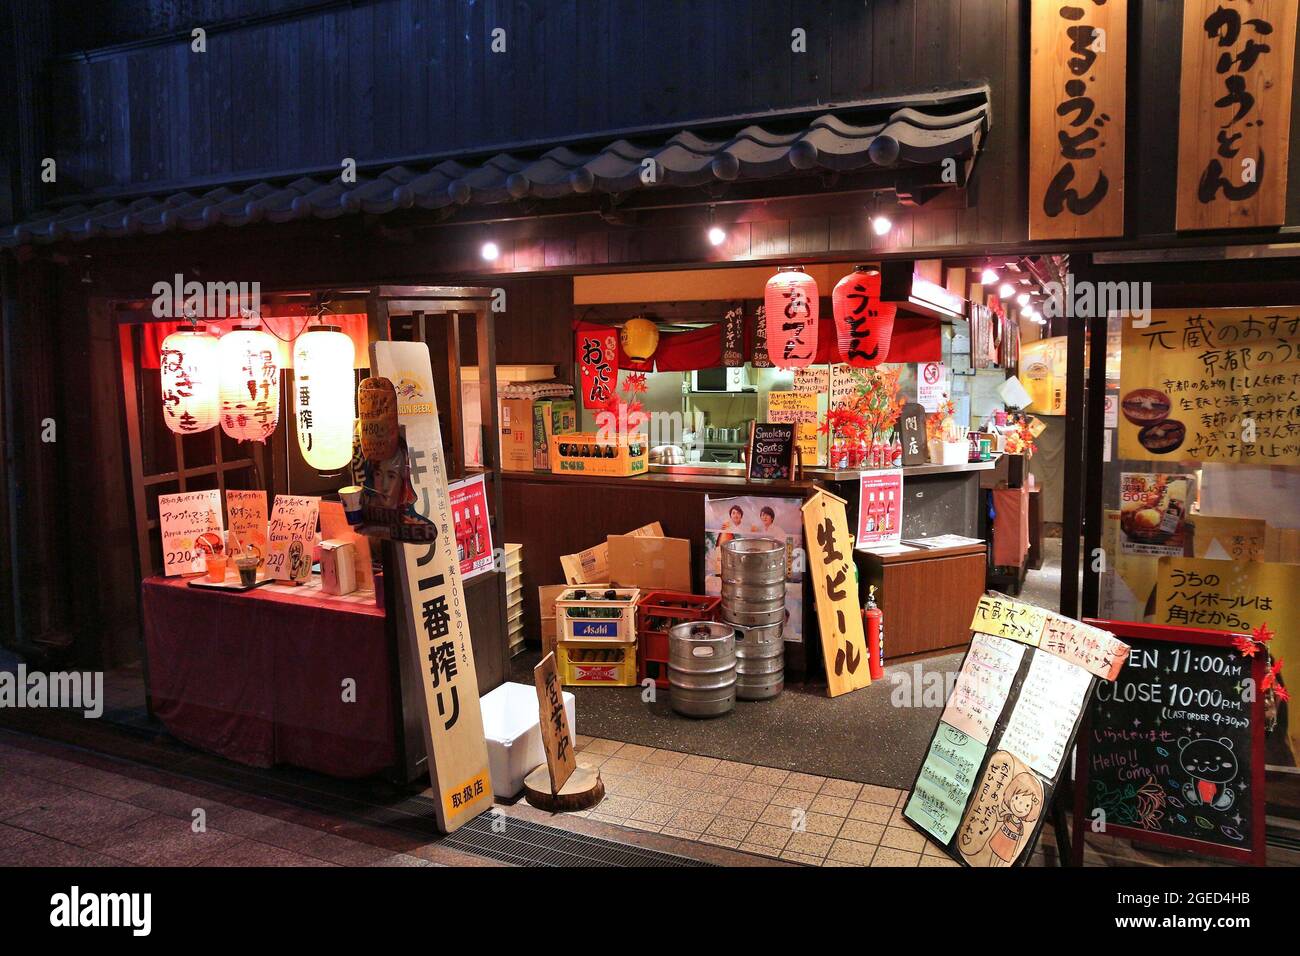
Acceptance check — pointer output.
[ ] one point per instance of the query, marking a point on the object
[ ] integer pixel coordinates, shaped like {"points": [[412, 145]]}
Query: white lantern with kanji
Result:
{"points": [[190, 375], [324, 390], [250, 385]]}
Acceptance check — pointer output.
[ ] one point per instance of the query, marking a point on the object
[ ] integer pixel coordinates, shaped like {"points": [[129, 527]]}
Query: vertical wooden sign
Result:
{"points": [[733, 336], [561, 761], [835, 586], [1234, 124], [433, 614], [1077, 71]]}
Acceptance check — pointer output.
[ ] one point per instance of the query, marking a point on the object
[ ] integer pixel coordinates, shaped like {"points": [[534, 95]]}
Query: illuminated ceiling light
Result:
{"points": [[881, 224], [988, 276], [1006, 290], [324, 397], [490, 251], [717, 236], [1022, 299], [1027, 312]]}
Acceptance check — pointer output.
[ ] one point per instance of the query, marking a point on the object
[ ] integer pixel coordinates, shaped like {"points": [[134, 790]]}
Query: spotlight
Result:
{"points": [[1022, 299], [717, 236], [988, 276], [1006, 290], [490, 251], [881, 225]]}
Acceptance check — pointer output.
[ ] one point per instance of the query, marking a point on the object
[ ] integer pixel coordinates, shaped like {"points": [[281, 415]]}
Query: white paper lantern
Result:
{"points": [[250, 385], [189, 366], [324, 390]]}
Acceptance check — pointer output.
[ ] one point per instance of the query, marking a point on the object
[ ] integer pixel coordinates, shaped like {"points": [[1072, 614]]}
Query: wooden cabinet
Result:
{"points": [[927, 597]]}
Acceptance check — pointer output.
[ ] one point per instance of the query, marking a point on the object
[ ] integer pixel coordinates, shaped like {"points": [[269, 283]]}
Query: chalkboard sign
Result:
{"points": [[771, 451], [733, 337], [911, 434], [1172, 753]]}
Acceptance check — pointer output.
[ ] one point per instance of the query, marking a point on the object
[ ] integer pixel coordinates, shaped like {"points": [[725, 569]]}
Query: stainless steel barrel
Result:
{"points": [[702, 668], [751, 561], [760, 662], [755, 614]]}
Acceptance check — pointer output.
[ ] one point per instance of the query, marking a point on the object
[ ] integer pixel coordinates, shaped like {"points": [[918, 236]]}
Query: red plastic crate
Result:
{"points": [[656, 613]]}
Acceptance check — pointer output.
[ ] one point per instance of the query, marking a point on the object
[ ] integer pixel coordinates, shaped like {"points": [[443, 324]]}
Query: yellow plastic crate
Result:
{"points": [[596, 664]]}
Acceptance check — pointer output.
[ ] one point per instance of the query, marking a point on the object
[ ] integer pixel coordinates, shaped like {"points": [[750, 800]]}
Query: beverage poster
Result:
{"points": [[880, 507], [473, 526], [1153, 512], [191, 530], [246, 512], [291, 536]]}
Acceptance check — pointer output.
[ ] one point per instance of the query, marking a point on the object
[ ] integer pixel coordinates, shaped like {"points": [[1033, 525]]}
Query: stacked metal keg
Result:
{"points": [[702, 668], [753, 603]]}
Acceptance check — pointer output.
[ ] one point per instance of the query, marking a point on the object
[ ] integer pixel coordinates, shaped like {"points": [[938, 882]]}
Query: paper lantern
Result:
{"points": [[190, 368], [863, 324], [324, 406], [640, 338], [790, 302], [250, 385]]}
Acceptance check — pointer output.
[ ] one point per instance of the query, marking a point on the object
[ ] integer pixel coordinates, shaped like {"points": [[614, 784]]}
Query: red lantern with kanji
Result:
{"points": [[790, 302], [863, 324]]}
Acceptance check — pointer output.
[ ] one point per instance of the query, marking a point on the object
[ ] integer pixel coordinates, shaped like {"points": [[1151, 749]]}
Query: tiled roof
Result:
{"points": [[852, 137]]}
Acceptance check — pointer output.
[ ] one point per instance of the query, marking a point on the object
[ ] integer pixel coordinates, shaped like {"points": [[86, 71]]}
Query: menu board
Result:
{"points": [[290, 537], [983, 789], [246, 511], [191, 530], [733, 337], [1172, 753], [771, 451], [799, 409]]}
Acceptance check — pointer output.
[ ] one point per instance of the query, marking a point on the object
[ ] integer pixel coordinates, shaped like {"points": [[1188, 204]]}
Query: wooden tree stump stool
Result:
{"points": [[582, 791]]}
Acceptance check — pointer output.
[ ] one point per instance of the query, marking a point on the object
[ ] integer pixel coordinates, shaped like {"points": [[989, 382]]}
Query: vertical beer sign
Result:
{"points": [[1076, 118], [1234, 123], [433, 615]]}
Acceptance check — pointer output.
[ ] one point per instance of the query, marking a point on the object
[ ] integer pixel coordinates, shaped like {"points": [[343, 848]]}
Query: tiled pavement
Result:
{"points": [[818, 821]]}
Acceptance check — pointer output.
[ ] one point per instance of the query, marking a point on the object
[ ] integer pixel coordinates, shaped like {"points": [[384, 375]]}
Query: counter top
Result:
{"points": [[851, 474], [733, 484]]}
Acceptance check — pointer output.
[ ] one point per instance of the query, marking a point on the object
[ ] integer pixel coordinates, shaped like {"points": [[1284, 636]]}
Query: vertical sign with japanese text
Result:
{"points": [[291, 536], [597, 364], [561, 760], [433, 613], [246, 514], [1076, 118], [190, 524], [1234, 126], [835, 586]]}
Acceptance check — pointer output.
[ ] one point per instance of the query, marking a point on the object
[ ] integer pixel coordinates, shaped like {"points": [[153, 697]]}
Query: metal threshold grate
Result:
{"points": [[524, 843]]}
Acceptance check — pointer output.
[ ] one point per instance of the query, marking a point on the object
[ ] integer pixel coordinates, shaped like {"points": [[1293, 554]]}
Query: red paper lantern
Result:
{"points": [[863, 324], [790, 302]]}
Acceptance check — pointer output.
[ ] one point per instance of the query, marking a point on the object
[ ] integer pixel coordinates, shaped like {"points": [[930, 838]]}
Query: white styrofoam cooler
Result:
{"points": [[514, 734]]}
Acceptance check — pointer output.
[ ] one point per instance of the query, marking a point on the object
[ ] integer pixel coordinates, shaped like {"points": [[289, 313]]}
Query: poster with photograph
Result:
{"points": [[753, 516], [469, 516], [191, 530], [1153, 512]]}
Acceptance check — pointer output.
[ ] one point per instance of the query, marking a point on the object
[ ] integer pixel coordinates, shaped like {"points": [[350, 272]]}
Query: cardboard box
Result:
{"points": [[592, 565], [649, 563], [551, 416], [516, 434]]}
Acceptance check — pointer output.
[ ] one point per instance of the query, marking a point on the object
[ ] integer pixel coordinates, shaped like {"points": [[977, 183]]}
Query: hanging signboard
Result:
{"points": [[1212, 385], [191, 528], [760, 358], [771, 451], [1006, 732], [1172, 753], [432, 602], [835, 587], [1076, 119], [291, 536], [880, 507], [597, 347], [1234, 126], [733, 337]]}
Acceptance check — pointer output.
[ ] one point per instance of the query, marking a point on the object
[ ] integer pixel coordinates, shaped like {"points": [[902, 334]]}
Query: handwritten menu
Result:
{"points": [[983, 684], [291, 535], [1047, 708], [1169, 749], [799, 409], [771, 451], [733, 337], [246, 511], [191, 530], [944, 783], [998, 752], [1096, 651]]}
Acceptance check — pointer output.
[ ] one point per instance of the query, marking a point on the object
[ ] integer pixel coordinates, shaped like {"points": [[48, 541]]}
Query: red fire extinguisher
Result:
{"points": [[874, 624]]}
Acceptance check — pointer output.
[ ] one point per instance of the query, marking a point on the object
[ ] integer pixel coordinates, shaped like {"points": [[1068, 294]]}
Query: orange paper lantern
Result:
{"points": [[190, 371], [863, 324], [790, 302]]}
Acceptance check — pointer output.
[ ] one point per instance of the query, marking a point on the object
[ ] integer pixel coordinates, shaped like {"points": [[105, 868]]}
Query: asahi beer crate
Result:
{"points": [[584, 453], [591, 663], [600, 615]]}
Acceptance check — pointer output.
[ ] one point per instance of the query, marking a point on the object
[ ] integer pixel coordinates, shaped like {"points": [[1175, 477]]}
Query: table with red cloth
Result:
{"points": [[258, 676]]}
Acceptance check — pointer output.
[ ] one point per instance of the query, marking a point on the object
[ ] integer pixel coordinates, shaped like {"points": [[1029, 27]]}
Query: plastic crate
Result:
{"points": [[656, 613], [585, 614], [596, 664]]}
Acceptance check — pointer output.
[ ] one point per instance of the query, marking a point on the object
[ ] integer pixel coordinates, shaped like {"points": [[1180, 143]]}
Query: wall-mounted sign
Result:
{"points": [[835, 586], [733, 337], [473, 526], [880, 507], [931, 385], [1076, 118], [1234, 126], [771, 451], [432, 603], [597, 364], [798, 409], [760, 358], [191, 530], [290, 537]]}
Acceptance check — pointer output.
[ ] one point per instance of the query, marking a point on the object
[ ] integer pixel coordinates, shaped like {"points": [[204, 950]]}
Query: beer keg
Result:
{"points": [[751, 561], [702, 668], [760, 661]]}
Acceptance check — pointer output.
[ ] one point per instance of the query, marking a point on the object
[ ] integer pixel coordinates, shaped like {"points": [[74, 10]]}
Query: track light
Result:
{"points": [[988, 276], [1006, 290], [881, 224]]}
